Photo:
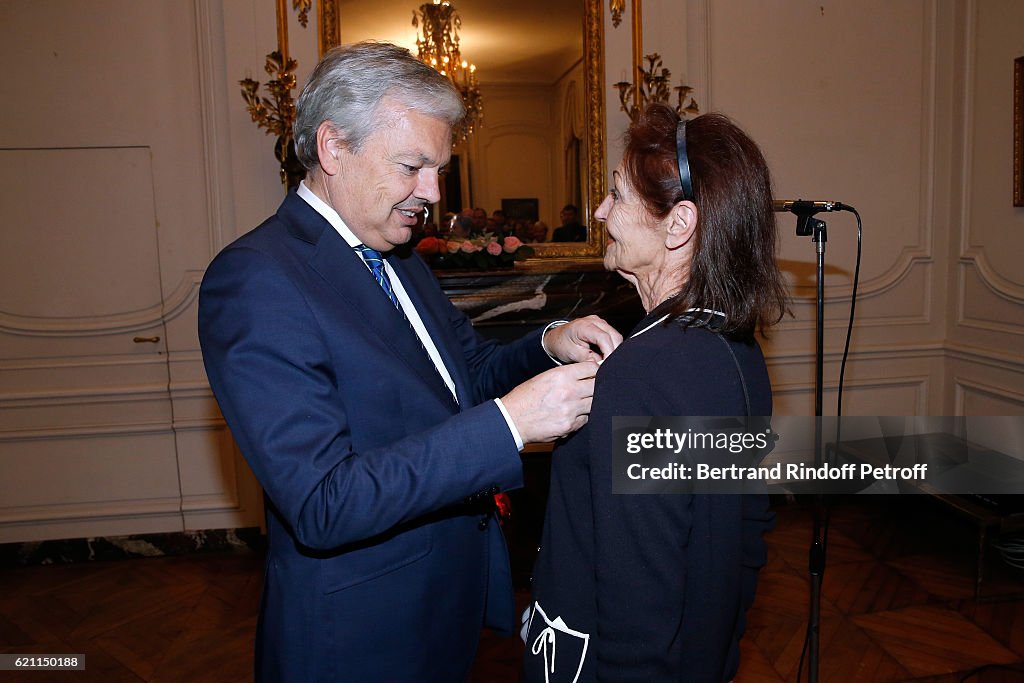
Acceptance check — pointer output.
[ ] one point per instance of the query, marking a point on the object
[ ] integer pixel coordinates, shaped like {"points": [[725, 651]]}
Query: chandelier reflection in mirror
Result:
{"points": [[438, 46]]}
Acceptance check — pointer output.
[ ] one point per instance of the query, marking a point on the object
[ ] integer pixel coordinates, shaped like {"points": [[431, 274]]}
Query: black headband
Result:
{"points": [[683, 161]]}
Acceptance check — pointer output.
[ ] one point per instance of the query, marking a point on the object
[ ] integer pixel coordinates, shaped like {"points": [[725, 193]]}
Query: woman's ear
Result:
{"points": [[329, 146], [682, 222]]}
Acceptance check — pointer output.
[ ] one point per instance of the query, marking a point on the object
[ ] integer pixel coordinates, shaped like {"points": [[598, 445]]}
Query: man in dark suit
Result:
{"points": [[571, 230], [364, 401]]}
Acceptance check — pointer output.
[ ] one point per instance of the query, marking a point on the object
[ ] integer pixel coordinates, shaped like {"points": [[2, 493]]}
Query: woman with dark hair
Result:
{"points": [[655, 587]]}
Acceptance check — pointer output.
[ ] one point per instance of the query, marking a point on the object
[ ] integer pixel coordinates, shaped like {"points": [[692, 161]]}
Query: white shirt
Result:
{"points": [[332, 217]]}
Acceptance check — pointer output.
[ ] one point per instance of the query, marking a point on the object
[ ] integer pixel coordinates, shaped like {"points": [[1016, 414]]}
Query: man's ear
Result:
{"points": [[329, 146], [682, 222]]}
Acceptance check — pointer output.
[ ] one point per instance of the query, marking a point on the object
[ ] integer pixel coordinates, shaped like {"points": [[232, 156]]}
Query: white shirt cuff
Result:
{"points": [[511, 424], [551, 325]]}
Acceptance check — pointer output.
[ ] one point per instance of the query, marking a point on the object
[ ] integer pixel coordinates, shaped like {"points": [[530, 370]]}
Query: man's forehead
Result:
{"points": [[413, 135]]}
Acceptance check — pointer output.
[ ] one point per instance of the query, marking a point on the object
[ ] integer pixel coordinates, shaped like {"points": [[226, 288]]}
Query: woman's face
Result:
{"points": [[636, 240]]}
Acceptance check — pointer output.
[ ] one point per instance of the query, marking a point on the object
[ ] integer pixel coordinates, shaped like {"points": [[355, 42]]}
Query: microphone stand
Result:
{"points": [[809, 226]]}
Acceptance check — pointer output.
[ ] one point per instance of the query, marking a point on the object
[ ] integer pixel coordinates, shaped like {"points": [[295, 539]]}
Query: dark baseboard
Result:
{"points": [[64, 551]]}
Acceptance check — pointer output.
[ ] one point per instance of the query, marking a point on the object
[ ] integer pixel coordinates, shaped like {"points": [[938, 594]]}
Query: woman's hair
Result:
{"points": [[733, 268], [349, 83]]}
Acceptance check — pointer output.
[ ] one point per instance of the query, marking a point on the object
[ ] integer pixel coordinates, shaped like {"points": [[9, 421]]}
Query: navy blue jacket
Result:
{"points": [[649, 587], [382, 565]]}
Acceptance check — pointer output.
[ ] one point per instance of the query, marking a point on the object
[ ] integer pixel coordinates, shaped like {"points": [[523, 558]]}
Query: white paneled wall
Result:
{"points": [[127, 160], [904, 111], [111, 177], [986, 281]]}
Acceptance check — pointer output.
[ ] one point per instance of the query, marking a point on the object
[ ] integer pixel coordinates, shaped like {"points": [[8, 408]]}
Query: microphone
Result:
{"points": [[804, 207]]}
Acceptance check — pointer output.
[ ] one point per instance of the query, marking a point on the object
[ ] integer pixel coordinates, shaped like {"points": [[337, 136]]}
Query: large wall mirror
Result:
{"points": [[540, 67]]}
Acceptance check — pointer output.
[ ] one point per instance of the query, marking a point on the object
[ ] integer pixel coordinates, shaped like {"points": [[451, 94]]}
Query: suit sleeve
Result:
{"points": [[496, 368], [272, 371]]}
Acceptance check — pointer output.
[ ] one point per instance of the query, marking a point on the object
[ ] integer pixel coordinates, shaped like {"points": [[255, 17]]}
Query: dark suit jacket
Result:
{"points": [[573, 232], [384, 560], [660, 584]]}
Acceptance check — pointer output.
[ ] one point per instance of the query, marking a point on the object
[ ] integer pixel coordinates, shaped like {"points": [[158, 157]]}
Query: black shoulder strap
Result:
{"points": [[739, 371], [690, 317]]}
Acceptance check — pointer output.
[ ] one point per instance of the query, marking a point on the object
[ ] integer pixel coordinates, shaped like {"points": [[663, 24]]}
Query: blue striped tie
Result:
{"points": [[375, 260]]}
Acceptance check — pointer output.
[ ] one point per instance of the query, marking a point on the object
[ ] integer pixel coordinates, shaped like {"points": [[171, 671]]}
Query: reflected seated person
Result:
{"points": [[571, 229], [537, 232]]}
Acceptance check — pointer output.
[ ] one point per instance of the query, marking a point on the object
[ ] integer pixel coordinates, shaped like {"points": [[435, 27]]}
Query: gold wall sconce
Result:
{"points": [[652, 85], [276, 113], [617, 8]]}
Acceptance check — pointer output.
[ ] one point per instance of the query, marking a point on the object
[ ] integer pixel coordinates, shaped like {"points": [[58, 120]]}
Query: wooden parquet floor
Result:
{"points": [[897, 606]]}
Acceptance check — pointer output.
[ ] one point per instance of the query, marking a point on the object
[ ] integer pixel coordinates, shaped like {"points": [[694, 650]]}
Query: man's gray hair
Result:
{"points": [[349, 83]]}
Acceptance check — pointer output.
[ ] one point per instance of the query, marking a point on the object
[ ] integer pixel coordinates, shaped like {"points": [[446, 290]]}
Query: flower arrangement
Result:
{"points": [[485, 252]]}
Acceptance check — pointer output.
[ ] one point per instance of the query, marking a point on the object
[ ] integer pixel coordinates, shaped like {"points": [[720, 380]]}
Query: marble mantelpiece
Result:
{"points": [[504, 304]]}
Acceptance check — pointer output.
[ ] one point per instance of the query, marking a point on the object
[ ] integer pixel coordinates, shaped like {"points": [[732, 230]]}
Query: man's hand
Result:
{"points": [[574, 341], [552, 404]]}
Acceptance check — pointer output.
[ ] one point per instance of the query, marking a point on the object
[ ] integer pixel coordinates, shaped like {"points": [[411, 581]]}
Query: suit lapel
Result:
{"points": [[343, 269], [434, 314]]}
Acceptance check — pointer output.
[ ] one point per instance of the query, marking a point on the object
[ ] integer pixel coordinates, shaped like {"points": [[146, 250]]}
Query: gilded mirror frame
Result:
{"points": [[562, 255]]}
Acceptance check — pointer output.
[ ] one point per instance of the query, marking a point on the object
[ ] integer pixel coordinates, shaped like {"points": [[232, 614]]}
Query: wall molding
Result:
{"points": [[840, 299], [887, 281], [920, 383], [183, 295], [75, 397], [200, 424], [185, 356], [963, 387], [78, 362], [62, 512], [150, 427], [910, 351], [700, 17], [974, 257], [158, 427], [964, 319], [988, 357], [212, 502], [191, 390], [212, 67], [901, 352]]}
